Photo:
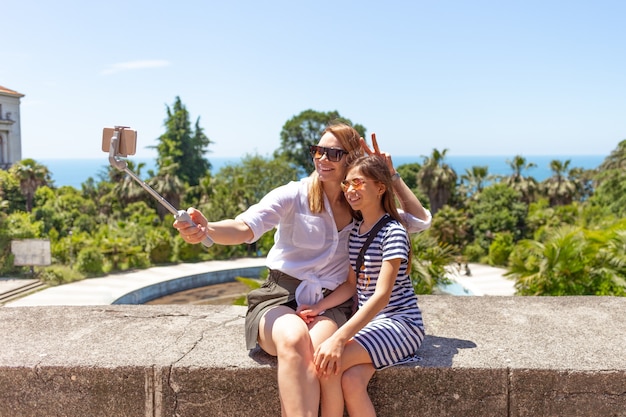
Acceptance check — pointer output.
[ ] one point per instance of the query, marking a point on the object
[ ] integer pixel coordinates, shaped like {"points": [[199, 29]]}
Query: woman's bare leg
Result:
{"points": [[284, 334]]}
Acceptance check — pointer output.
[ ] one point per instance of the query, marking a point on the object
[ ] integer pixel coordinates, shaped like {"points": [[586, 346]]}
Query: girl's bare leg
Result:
{"points": [[332, 393], [354, 383]]}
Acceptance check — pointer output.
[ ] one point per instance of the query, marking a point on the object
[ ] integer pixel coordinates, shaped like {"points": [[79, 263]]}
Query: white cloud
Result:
{"points": [[134, 65]]}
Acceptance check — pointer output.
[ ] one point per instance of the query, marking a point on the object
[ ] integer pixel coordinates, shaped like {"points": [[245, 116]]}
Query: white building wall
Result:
{"points": [[10, 128]]}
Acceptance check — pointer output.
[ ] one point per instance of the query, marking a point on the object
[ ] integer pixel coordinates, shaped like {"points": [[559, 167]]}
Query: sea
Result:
{"points": [[74, 172]]}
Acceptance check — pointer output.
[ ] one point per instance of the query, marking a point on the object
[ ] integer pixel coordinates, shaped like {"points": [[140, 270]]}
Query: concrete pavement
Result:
{"points": [[484, 280]]}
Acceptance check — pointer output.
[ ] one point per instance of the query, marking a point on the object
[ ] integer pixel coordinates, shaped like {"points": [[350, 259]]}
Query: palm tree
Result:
{"points": [[430, 262], [437, 179], [572, 261], [169, 186], [127, 189], [560, 190], [474, 179], [558, 266], [527, 186], [31, 176]]}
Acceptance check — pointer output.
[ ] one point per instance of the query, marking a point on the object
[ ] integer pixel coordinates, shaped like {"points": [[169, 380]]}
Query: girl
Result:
{"points": [[387, 328]]}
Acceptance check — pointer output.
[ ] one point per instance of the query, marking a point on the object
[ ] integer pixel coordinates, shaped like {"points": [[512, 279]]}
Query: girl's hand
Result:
{"points": [[327, 357]]}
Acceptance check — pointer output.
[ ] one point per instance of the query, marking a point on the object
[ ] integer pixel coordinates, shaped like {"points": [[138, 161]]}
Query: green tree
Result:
{"points": [[450, 227], [474, 179], [497, 209], [183, 146], [616, 159], [437, 179], [169, 186], [127, 189], [526, 185], [306, 129], [559, 189], [31, 176], [610, 182], [408, 172]]}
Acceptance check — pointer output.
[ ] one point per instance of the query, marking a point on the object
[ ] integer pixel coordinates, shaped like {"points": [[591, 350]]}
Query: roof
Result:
{"points": [[8, 92]]}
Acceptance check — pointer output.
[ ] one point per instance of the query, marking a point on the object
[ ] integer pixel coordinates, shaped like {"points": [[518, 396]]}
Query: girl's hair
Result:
{"points": [[350, 142], [375, 168]]}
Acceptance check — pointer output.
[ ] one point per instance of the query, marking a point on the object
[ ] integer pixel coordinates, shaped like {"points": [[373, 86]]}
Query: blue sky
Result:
{"points": [[474, 77]]}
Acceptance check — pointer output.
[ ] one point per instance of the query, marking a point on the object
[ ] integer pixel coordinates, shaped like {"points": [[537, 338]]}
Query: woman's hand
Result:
{"points": [[307, 312], [192, 233], [376, 151]]}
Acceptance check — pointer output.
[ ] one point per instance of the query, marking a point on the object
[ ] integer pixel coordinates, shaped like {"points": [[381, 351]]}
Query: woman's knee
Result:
{"points": [[282, 330], [291, 335]]}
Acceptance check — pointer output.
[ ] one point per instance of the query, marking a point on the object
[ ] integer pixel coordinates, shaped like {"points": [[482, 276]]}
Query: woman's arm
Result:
{"points": [[408, 200], [223, 232]]}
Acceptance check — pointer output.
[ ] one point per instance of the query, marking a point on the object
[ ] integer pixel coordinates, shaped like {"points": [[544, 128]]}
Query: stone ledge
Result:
{"points": [[483, 356]]}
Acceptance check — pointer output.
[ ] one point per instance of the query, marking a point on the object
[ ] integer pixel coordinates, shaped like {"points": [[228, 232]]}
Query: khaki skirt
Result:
{"points": [[280, 289]]}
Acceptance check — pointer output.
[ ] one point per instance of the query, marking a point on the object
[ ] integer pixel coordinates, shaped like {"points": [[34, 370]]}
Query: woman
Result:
{"points": [[308, 261], [387, 328]]}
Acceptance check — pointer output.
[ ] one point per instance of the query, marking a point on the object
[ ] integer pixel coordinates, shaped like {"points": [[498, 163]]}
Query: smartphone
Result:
{"points": [[127, 144]]}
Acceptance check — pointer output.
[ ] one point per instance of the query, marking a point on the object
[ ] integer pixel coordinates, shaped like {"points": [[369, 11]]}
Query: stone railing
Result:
{"points": [[483, 356]]}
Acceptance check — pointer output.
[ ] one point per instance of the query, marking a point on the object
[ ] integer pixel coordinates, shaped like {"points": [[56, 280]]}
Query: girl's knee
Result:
{"points": [[355, 378]]}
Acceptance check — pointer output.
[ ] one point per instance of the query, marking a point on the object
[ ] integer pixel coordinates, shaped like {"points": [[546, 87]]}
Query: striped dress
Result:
{"points": [[397, 331]]}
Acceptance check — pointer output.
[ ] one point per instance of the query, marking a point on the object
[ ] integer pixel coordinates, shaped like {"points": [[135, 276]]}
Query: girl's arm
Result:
{"points": [[341, 294], [327, 357]]}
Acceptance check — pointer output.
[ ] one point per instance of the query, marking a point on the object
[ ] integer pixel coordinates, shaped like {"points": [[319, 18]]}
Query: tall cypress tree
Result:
{"points": [[183, 146]]}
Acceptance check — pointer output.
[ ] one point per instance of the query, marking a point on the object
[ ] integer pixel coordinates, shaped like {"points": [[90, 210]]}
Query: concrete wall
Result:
{"points": [[483, 356]]}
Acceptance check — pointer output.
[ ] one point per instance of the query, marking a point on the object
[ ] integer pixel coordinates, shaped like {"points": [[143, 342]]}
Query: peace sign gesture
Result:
{"points": [[385, 155]]}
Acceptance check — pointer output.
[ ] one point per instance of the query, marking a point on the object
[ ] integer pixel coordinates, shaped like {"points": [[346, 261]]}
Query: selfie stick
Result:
{"points": [[180, 215]]}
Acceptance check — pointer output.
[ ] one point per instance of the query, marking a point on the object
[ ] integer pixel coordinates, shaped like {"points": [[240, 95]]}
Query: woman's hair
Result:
{"points": [[350, 142], [375, 168]]}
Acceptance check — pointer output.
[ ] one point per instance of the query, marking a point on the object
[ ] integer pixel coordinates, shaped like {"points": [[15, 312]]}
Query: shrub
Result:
{"points": [[500, 249], [90, 261], [59, 274]]}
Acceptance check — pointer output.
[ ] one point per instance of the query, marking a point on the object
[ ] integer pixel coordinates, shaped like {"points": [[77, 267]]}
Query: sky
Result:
{"points": [[501, 77]]}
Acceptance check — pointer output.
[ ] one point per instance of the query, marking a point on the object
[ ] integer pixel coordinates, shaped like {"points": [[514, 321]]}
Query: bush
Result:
{"points": [[187, 252], [159, 245], [474, 252], [90, 261], [500, 249], [59, 274]]}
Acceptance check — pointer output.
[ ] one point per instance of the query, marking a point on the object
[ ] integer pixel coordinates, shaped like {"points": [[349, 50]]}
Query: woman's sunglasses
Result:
{"points": [[355, 183], [332, 154]]}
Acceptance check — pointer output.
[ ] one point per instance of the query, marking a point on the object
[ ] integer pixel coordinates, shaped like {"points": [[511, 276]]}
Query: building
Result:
{"points": [[10, 133]]}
